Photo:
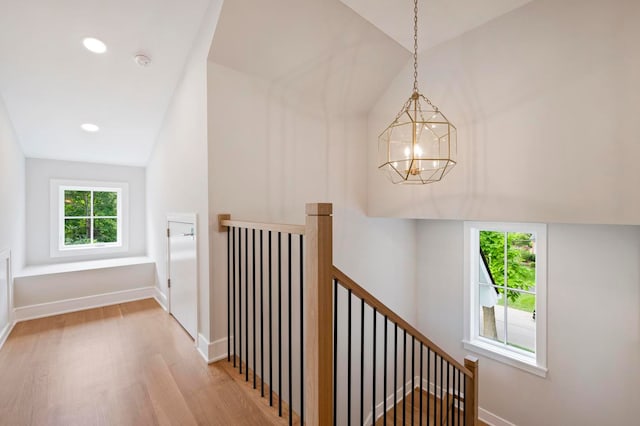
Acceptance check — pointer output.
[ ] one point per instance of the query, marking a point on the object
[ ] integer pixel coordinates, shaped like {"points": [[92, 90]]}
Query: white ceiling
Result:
{"points": [[51, 84], [438, 20]]}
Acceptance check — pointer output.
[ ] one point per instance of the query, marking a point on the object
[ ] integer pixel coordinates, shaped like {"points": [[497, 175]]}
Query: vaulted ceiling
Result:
{"points": [[51, 84]]}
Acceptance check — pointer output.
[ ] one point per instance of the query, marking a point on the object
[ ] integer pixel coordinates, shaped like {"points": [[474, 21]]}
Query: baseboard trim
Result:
{"points": [[6, 331], [492, 419], [42, 310], [161, 298], [390, 403], [212, 351]]}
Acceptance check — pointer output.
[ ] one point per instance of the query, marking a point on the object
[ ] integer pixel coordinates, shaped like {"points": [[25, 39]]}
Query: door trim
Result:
{"points": [[191, 218]]}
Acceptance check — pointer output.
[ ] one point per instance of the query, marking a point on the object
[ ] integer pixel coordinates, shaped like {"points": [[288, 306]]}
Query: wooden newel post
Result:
{"points": [[318, 334], [471, 392]]}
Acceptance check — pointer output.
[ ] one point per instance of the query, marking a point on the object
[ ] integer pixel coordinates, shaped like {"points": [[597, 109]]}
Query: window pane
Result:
{"points": [[105, 203], [77, 231], [521, 263], [492, 249], [491, 314], [521, 328], [105, 230], [77, 203]]}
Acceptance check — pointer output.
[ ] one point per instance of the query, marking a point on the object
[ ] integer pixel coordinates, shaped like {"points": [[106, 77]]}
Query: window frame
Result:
{"points": [[58, 248], [534, 363]]}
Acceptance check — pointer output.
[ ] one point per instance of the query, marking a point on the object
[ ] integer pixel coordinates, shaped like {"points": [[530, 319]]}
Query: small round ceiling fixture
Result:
{"points": [[89, 127], [94, 45], [142, 60]]}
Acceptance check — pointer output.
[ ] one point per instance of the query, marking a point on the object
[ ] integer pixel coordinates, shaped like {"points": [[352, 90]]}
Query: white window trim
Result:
{"points": [[56, 197], [535, 364]]}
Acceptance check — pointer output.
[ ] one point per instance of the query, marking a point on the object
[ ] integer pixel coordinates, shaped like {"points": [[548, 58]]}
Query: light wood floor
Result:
{"points": [[447, 417], [128, 364]]}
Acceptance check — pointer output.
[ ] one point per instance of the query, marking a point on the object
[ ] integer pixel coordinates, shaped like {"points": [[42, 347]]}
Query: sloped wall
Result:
{"points": [[177, 171], [545, 99]]}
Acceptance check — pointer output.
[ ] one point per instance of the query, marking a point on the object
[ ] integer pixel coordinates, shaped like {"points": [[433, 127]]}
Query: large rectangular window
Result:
{"points": [[506, 292]]}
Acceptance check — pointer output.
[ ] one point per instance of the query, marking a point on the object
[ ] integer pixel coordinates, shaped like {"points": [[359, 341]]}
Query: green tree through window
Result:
{"points": [[90, 217]]}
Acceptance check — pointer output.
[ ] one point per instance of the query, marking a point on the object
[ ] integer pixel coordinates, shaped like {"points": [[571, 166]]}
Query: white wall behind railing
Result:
{"points": [[12, 191], [39, 173], [593, 324], [546, 100], [267, 168]]}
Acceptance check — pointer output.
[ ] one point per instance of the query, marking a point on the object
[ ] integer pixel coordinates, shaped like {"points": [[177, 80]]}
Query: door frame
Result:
{"points": [[191, 218]]}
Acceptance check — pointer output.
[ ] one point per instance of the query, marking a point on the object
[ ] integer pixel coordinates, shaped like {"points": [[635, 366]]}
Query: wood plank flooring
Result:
{"points": [[435, 415], [127, 364]]}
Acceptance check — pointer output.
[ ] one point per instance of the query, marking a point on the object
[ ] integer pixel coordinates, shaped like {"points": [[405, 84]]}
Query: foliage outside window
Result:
{"points": [[506, 292], [92, 217]]}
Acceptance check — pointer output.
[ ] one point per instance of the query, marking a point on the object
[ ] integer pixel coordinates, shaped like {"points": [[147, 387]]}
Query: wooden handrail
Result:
{"points": [[369, 299], [225, 222]]}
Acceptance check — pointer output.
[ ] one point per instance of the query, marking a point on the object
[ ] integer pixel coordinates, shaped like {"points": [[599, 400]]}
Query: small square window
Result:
{"points": [[505, 293], [87, 217]]}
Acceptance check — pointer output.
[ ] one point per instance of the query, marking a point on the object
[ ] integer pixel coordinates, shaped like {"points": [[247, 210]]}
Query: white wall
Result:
{"points": [[177, 174], [39, 173], [12, 208], [545, 99], [593, 324], [12, 191], [266, 168]]}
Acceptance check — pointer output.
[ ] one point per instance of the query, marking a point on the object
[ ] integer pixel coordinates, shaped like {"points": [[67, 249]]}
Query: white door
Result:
{"points": [[183, 283]]}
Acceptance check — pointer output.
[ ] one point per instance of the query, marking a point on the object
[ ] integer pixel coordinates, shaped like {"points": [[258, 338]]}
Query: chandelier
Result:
{"points": [[419, 146]]}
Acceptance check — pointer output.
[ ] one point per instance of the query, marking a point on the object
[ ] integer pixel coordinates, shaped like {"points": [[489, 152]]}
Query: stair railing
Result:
{"points": [[309, 346]]}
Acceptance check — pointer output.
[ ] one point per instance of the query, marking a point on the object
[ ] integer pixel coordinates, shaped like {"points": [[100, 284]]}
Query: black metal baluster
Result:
{"points": [[464, 392], [460, 378], [233, 237], [404, 376], [421, 387], [253, 266], [373, 392], [448, 390], [349, 358], [289, 346], [261, 317], [335, 350], [280, 324], [246, 301], [301, 330], [270, 322], [395, 373], [428, 382], [228, 294], [240, 297], [384, 386], [362, 362], [441, 388], [454, 396], [413, 367]]}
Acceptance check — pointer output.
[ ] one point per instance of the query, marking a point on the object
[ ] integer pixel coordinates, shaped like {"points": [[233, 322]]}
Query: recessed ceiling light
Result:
{"points": [[89, 127], [94, 45]]}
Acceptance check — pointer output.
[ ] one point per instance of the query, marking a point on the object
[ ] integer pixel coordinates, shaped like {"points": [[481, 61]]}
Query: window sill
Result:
{"points": [[510, 358], [87, 251]]}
